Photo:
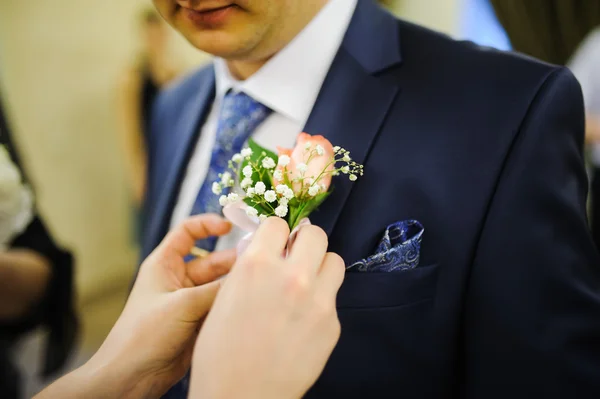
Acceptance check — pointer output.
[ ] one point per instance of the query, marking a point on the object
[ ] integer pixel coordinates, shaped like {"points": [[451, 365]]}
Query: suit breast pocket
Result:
{"points": [[385, 349], [376, 290]]}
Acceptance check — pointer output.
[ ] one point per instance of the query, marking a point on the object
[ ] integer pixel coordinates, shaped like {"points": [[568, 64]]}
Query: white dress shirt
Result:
{"points": [[288, 83]]}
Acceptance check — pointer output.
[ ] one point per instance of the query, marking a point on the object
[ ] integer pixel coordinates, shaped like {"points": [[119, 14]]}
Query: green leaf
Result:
{"points": [[292, 216], [299, 210], [294, 203], [262, 210], [258, 150], [314, 203], [257, 156]]}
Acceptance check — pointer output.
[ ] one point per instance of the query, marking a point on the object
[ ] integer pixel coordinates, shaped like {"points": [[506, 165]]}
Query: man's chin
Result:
{"points": [[219, 45]]}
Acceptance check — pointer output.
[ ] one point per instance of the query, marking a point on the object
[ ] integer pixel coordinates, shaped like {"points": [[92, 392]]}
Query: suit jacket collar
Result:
{"points": [[373, 38]]}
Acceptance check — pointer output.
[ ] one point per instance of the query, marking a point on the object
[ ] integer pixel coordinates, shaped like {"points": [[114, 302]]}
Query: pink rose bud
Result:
{"points": [[305, 146]]}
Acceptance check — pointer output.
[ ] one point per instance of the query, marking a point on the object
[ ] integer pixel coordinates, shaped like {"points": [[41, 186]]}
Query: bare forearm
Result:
{"points": [[24, 277], [77, 384], [592, 129], [90, 383]]}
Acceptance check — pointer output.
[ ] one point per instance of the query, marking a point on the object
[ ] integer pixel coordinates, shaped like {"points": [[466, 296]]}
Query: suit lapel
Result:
{"points": [[354, 100], [350, 111], [178, 146]]}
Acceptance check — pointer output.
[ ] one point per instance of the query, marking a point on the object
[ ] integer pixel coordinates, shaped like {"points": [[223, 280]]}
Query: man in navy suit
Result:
{"points": [[483, 148]]}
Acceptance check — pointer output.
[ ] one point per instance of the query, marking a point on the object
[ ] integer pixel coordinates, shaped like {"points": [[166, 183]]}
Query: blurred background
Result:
{"points": [[74, 78]]}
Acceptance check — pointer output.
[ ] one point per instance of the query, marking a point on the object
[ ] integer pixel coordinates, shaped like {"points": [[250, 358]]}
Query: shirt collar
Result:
{"points": [[290, 82]]}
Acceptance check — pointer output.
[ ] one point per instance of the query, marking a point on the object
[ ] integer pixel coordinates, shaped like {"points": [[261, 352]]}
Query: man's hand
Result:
{"points": [[152, 342], [274, 322]]}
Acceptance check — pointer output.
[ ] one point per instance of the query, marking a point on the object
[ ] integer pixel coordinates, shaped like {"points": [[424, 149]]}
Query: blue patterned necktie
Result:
{"points": [[240, 116]]}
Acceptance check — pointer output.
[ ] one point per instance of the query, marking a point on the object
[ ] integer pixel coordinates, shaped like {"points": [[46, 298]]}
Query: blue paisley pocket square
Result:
{"points": [[398, 250]]}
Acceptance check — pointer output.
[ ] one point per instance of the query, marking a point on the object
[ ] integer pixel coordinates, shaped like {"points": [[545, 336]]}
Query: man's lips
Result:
{"points": [[210, 15], [207, 9]]}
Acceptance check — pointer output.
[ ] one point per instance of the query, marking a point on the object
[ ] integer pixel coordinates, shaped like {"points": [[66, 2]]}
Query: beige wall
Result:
{"points": [[440, 15], [59, 61]]}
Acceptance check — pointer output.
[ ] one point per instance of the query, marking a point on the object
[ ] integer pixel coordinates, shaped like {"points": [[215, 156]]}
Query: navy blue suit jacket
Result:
{"points": [[485, 150]]}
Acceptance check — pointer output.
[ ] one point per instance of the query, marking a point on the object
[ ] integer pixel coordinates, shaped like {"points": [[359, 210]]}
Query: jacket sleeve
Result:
{"points": [[532, 310]]}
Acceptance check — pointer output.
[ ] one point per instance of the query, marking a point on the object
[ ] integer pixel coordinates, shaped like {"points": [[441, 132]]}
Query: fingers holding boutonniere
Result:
{"points": [[166, 264], [211, 267], [182, 239], [331, 276], [270, 238], [309, 248]]}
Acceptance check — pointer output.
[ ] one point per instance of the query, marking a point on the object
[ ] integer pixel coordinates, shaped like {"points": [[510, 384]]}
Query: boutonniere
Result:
{"points": [[290, 185], [16, 200]]}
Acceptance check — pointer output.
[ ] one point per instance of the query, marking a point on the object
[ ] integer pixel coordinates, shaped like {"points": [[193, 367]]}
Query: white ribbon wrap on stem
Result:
{"points": [[236, 214]]}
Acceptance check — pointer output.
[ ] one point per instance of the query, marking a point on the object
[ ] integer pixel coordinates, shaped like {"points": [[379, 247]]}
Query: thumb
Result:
{"points": [[196, 302]]}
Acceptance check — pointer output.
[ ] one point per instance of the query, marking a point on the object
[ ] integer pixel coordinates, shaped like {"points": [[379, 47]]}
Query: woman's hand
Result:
{"points": [[269, 334], [274, 322], [150, 347]]}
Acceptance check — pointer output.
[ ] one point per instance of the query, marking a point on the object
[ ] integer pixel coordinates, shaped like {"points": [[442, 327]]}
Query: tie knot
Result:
{"points": [[241, 105]]}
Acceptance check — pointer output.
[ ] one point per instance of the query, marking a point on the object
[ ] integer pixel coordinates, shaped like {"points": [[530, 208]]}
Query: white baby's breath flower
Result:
{"points": [[247, 171], [216, 188], [260, 188], [251, 212], [346, 157], [307, 145], [283, 201], [281, 211], [345, 169], [352, 177], [302, 167], [278, 175], [289, 193], [246, 152], [282, 188], [268, 163], [262, 218], [284, 160], [270, 196], [323, 187], [314, 190], [337, 148], [223, 200], [237, 158], [233, 197], [250, 192], [246, 182], [320, 149], [226, 179]]}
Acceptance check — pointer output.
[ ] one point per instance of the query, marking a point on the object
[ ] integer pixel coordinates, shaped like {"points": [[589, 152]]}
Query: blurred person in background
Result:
{"points": [[154, 67], [36, 275], [585, 64]]}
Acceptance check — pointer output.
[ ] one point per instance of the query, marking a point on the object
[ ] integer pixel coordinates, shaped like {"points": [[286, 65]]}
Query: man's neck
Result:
{"points": [[242, 70]]}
